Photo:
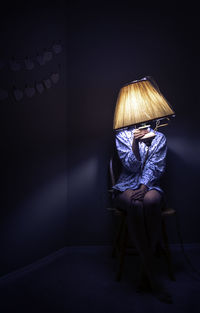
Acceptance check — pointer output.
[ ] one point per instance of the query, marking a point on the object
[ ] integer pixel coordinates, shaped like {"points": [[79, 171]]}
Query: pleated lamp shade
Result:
{"points": [[140, 102]]}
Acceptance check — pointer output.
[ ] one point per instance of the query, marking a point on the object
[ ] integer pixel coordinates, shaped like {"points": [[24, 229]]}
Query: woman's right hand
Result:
{"points": [[139, 133]]}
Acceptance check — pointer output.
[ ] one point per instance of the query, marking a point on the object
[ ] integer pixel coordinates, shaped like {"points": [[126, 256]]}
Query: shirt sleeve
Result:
{"points": [[126, 155], [155, 164]]}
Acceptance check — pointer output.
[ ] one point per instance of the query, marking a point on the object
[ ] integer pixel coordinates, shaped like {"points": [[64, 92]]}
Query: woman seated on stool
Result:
{"points": [[138, 192]]}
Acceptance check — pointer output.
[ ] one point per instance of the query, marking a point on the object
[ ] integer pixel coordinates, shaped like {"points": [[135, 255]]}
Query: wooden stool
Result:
{"points": [[120, 244]]}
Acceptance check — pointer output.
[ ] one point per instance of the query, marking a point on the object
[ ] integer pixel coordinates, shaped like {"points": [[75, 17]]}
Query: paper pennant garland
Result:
{"points": [[30, 91], [39, 87], [40, 59], [47, 83], [28, 63], [18, 94], [55, 77], [47, 56], [57, 48]]}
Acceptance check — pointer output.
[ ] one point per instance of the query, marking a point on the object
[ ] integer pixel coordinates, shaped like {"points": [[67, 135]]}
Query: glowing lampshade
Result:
{"points": [[140, 102]]}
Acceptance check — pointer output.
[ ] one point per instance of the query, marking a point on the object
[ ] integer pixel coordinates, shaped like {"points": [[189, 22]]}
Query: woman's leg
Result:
{"points": [[152, 204], [138, 234], [137, 229]]}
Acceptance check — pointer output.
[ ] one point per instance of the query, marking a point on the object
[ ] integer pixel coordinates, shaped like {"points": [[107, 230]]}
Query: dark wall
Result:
{"points": [[55, 146], [33, 136]]}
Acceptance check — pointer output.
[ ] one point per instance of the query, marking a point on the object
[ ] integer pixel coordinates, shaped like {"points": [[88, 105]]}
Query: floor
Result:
{"points": [[81, 279]]}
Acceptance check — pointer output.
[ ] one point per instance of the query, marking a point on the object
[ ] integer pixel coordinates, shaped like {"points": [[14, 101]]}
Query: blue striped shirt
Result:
{"points": [[132, 174]]}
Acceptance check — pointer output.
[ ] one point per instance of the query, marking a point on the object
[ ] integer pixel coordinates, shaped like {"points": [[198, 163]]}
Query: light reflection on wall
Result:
{"points": [[39, 211], [83, 177], [42, 212], [187, 149], [86, 218]]}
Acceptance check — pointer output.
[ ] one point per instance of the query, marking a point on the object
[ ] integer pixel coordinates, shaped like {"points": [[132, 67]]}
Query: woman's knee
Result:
{"points": [[123, 200], [152, 199]]}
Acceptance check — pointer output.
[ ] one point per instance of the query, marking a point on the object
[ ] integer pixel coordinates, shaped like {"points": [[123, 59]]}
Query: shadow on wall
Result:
{"points": [[88, 222], [181, 186], [36, 227]]}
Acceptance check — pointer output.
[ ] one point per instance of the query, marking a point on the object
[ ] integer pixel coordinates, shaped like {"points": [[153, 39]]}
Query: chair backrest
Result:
{"points": [[115, 168]]}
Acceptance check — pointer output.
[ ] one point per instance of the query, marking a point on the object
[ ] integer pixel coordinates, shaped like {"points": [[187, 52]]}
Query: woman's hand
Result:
{"points": [[139, 133], [137, 194], [140, 193]]}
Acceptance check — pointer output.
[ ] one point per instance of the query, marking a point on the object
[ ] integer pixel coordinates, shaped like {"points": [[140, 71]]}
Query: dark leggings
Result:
{"points": [[144, 223]]}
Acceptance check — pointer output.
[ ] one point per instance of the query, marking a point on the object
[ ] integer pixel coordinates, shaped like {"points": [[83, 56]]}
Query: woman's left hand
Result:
{"points": [[138, 194]]}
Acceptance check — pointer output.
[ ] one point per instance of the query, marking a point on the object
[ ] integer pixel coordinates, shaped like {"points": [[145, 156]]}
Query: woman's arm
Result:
{"points": [[155, 164], [127, 151], [138, 134]]}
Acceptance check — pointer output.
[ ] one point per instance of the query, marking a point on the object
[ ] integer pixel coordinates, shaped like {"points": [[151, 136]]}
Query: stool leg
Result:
{"points": [[167, 252], [117, 238], [122, 250]]}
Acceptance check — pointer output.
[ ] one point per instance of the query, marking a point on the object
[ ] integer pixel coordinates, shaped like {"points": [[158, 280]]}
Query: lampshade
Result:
{"points": [[139, 102]]}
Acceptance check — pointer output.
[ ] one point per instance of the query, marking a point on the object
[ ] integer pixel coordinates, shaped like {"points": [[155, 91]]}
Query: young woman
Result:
{"points": [[138, 192]]}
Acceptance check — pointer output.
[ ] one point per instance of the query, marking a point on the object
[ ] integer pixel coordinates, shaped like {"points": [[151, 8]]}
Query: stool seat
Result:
{"points": [[168, 211]]}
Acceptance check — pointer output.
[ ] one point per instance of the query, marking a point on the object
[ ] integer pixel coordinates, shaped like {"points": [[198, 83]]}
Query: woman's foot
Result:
{"points": [[156, 288], [162, 295]]}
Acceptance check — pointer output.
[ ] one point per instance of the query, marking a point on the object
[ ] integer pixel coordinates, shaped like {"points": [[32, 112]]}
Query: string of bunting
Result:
{"points": [[29, 62], [30, 90]]}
